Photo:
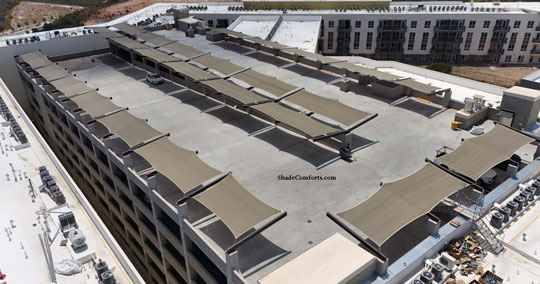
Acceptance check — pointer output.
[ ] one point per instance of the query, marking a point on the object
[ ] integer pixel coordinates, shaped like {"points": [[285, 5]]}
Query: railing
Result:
{"points": [[495, 51], [392, 28], [447, 39], [501, 28], [450, 28], [446, 51], [499, 39], [390, 39]]}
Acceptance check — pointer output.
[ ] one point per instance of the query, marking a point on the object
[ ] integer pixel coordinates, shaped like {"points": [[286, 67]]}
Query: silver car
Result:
{"points": [[154, 79]]}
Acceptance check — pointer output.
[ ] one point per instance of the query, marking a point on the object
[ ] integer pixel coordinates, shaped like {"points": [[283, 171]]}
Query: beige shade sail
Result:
{"points": [[398, 203], [155, 55], [314, 56], [417, 86], [94, 103], [180, 166], [367, 71], [232, 33], [238, 209], [267, 43], [52, 72], [330, 108], [129, 128], [306, 126], [182, 49], [129, 29], [128, 43], [35, 59], [154, 39], [70, 86], [106, 32], [475, 156], [189, 70], [233, 91], [263, 82], [223, 66]]}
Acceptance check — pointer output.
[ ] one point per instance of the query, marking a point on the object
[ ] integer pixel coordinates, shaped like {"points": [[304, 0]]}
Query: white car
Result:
{"points": [[489, 177], [154, 79]]}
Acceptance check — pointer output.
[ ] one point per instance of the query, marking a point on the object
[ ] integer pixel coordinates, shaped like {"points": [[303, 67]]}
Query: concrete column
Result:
{"points": [[319, 65], [152, 181], [109, 142], [346, 145], [537, 153], [447, 98], [511, 171], [382, 267], [476, 195], [132, 58], [186, 242], [296, 58], [232, 262], [128, 162], [433, 226], [346, 85]]}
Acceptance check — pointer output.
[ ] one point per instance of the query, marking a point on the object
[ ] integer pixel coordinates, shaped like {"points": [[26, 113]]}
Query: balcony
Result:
{"points": [[502, 28], [402, 28], [446, 51], [389, 50], [495, 51], [535, 51], [537, 28], [450, 28], [344, 28], [390, 39], [447, 39], [499, 39], [536, 40]]}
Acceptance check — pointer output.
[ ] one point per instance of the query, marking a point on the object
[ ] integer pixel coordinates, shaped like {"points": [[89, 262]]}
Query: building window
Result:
{"points": [[330, 44], [511, 47], [369, 40], [330, 24], [358, 24], [413, 25], [517, 24], [472, 24], [524, 47], [356, 43], [530, 24], [370, 24], [487, 24], [210, 23], [468, 41], [411, 41], [513, 36], [482, 42], [425, 37], [508, 58], [520, 58], [427, 24]]}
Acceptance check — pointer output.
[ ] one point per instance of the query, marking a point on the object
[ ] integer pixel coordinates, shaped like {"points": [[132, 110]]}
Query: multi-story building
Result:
{"points": [[412, 32]]}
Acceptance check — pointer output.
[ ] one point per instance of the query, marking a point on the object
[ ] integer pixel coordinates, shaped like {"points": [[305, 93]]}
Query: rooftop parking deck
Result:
{"points": [[230, 140]]}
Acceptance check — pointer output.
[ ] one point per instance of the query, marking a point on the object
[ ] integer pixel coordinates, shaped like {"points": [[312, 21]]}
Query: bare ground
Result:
{"points": [[501, 76], [30, 13]]}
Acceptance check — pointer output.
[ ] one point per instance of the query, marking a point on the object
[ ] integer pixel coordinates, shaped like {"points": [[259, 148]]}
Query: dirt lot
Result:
{"points": [[29, 13], [130, 6], [501, 76]]}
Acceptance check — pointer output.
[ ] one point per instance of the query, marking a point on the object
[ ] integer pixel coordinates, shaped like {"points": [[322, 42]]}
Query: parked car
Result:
{"points": [[154, 79], [488, 178]]}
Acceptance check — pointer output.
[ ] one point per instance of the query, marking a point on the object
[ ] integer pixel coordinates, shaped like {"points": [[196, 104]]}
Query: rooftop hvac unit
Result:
{"points": [[67, 221], [469, 104], [512, 205], [417, 281], [101, 266], [496, 220], [77, 239], [531, 191], [520, 201], [525, 195], [107, 277], [437, 270], [426, 277], [506, 213], [447, 261]]}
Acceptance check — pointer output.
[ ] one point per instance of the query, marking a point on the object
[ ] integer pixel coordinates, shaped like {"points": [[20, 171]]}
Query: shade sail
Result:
{"points": [[182, 49], [417, 86], [128, 43], [35, 59], [300, 122], [52, 72], [94, 103], [180, 166], [238, 209], [330, 108], [314, 56], [233, 91], [106, 32], [223, 66], [129, 128], [155, 55], [475, 156], [129, 29], [189, 70], [263, 82], [232, 33], [398, 203], [367, 71], [266, 42], [70, 86], [154, 39]]}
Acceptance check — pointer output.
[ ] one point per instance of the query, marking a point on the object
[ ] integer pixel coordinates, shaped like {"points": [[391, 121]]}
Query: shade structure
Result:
{"points": [[106, 32], [221, 65], [155, 55], [475, 156], [180, 166], [330, 108], [398, 203], [367, 71], [232, 33], [129, 29], [417, 86], [94, 103], [128, 43], [313, 56], [70, 86], [264, 82], [154, 39], [238, 209], [129, 128], [306, 126], [267, 43], [189, 70], [182, 49], [233, 92], [52, 72], [35, 59]]}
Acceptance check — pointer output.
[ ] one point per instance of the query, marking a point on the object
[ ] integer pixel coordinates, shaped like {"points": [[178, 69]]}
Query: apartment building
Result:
{"points": [[412, 32]]}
